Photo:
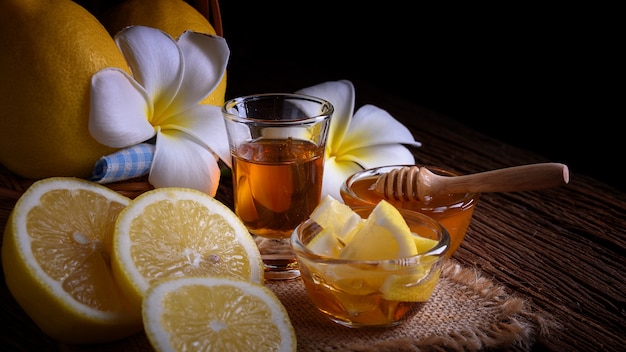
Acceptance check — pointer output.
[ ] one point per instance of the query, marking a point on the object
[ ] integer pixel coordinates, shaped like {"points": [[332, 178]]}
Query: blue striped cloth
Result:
{"points": [[124, 164]]}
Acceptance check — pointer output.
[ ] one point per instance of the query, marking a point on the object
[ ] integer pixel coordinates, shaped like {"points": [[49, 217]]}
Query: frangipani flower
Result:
{"points": [[370, 138], [170, 78]]}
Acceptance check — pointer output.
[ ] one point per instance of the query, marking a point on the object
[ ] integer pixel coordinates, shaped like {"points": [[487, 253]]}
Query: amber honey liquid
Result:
{"points": [[357, 299], [453, 211], [359, 310], [277, 184]]}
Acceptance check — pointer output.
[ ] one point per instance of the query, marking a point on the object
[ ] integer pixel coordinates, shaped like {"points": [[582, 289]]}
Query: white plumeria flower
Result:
{"points": [[170, 79], [371, 138]]}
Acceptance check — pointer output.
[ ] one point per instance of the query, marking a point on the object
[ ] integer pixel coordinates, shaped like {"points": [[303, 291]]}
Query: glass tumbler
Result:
{"points": [[277, 142]]}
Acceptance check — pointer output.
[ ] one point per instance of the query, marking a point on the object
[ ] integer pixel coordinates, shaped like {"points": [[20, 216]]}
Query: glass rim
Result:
{"points": [[327, 109], [440, 249]]}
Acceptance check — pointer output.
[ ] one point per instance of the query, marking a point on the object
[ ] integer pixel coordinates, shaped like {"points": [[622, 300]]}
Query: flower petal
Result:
{"points": [[181, 162], [341, 95], [379, 155], [205, 58], [156, 63], [373, 126], [118, 110], [338, 169], [205, 125], [335, 173]]}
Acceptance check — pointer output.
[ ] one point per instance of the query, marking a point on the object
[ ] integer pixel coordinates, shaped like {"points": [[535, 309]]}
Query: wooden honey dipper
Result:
{"points": [[412, 183]]}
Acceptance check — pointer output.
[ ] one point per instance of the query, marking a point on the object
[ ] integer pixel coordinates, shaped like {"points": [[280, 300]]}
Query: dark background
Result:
{"points": [[542, 78]]}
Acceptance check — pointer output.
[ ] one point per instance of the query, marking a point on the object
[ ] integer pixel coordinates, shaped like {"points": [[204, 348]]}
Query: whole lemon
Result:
{"points": [[49, 51], [171, 16]]}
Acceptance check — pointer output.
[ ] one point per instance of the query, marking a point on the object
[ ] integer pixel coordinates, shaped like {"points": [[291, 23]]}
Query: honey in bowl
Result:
{"points": [[385, 269], [453, 211]]}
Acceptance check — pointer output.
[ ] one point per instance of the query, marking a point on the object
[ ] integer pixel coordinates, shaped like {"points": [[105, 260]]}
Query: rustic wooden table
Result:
{"points": [[563, 249]]}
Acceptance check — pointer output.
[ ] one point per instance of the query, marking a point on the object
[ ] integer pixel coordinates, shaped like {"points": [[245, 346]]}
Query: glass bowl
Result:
{"points": [[371, 293]]}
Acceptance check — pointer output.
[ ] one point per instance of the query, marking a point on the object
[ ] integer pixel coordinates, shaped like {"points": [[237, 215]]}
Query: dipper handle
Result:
{"points": [[418, 183]]}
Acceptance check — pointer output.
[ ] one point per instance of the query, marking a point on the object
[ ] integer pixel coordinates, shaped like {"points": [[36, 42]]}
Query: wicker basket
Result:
{"points": [[211, 10], [12, 186], [208, 8]]}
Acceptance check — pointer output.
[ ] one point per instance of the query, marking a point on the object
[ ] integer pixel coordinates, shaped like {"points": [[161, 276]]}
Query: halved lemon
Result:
{"points": [[173, 232], [56, 261], [216, 314]]}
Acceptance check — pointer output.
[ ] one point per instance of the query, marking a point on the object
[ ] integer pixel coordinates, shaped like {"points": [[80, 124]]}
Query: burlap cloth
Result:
{"points": [[467, 312]]}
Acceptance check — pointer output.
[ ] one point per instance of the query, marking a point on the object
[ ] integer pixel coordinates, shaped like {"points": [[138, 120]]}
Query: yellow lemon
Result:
{"points": [[338, 223], [56, 261], [173, 232], [417, 287], [384, 235], [216, 314], [423, 244], [335, 216], [171, 16], [48, 52]]}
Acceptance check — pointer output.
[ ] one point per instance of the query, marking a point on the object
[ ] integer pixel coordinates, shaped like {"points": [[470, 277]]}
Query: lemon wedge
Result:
{"points": [[339, 223], [417, 287], [423, 244], [335, 216], [384, 235]]}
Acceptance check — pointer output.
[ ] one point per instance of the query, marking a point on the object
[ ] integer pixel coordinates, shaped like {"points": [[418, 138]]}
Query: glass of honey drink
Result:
{"points": [[371, 293], [277, 143], [453, 211]]}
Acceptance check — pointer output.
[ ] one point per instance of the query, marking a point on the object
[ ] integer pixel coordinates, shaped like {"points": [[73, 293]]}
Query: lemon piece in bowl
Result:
{"points": [[337, 217], [339, 223], [384, 235]]}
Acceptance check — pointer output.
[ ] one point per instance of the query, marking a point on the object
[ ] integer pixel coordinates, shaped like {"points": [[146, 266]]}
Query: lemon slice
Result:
{"points": [[170, 232], [55, 257], [216, 314], [384, 235]]}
